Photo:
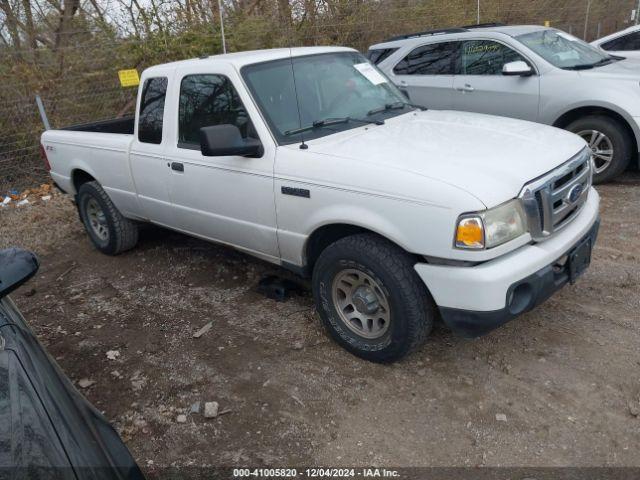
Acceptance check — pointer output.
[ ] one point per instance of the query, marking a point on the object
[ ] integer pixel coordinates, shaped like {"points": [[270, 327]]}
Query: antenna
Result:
{"points": [[303, 146]]}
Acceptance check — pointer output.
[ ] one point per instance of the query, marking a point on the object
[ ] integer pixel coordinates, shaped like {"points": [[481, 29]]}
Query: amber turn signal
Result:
{"points": [[470, 233]]}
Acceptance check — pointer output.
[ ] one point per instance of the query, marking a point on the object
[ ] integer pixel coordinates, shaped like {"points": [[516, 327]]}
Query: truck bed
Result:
{"points": [[99, 149], [117, 125]]}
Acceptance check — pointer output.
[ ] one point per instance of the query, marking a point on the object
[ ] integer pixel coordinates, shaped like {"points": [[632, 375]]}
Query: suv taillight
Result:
{"points": [[43, 154]]}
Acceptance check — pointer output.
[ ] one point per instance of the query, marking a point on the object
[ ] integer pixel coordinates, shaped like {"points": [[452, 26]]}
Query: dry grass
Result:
{"points": [[40, 226]]}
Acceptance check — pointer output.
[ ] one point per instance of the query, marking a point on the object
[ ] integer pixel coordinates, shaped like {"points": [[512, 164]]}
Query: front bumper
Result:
{"points": [[475, 300], [522, 296]]}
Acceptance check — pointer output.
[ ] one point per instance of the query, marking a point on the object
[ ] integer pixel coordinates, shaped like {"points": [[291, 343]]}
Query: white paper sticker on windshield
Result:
{"points": [[370, 73]]}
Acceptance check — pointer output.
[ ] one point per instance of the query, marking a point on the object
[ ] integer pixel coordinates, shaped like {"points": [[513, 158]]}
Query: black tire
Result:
{"points": [[122, 233], [620, 140], [412, 310]]}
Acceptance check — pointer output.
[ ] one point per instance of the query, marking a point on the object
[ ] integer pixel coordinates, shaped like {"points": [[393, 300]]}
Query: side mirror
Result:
{"points": [[226, 140], [518, 68], [16, 267]]}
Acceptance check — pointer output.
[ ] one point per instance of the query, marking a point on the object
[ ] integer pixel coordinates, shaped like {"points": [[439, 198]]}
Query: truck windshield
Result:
{"points": [[343, 86], [565, 51]]}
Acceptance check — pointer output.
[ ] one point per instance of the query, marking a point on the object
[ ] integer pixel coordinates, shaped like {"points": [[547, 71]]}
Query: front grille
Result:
{"points": [[553, 200]]}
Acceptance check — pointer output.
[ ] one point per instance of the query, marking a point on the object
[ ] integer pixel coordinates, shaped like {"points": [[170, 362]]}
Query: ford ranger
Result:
{"points": [[312, 159]]}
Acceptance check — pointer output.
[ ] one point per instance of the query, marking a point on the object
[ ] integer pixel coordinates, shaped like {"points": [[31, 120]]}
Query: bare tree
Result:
{"points": [[68, 10], [30, 29], [12, 24]]}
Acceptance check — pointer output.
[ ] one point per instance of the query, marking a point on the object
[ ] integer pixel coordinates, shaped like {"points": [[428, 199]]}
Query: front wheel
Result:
{"points": [[610, 143], [110, 232], [370, 298]]}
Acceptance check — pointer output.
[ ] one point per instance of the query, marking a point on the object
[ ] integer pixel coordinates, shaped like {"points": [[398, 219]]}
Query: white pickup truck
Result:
{"points": [[310, 158]]}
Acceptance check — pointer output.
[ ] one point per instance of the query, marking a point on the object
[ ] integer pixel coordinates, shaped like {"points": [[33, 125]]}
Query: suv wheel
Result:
{"points": [[370, 298], [110, 232], [609, 142]]}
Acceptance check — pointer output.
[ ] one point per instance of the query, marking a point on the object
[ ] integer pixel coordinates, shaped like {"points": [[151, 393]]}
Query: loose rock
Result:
{"points": [[181, 418], [113, 354], [203, 330], [211, 409], [85, 383]]}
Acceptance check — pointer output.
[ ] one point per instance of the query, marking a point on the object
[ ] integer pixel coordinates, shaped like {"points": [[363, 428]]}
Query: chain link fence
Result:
{"points": [[78, 82]]}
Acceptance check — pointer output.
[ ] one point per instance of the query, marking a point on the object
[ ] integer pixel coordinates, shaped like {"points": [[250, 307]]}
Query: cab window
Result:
{"points": [[207, 100], [433, 59], [154, 92], [485, 57]]}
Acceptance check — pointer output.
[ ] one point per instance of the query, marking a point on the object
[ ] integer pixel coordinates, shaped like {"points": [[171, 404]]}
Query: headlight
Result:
{"points": [[492, 227]]}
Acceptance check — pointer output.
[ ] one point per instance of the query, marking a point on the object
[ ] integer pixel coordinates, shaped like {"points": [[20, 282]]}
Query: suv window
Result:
{"points": [[154, 92], [624, 43], [433, 59], [207, 100], [485, 57], [379, 54]]}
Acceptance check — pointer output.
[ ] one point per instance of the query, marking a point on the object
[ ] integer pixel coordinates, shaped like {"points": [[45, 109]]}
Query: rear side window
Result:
{"points": [[484, 57], [624, 43], [434, 59], [154, 92], [207, 100], [379, 54]]}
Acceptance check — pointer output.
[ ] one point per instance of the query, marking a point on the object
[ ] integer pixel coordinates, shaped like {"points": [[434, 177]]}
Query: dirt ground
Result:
{"points": [[566, 376]]}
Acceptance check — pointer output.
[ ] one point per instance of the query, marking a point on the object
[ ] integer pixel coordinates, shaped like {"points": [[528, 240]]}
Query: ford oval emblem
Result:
{"points": [[574, 193]]}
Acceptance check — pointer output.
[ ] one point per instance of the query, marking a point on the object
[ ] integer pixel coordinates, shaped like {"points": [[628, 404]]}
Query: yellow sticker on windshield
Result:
{"points": [[129, 78]]}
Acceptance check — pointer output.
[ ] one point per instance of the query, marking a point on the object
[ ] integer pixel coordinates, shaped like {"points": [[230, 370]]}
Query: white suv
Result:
{"points": [[625, 42], [528, 72]]}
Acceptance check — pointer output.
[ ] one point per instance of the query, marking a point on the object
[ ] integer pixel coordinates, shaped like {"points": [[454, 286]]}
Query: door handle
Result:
{"points": [[466, 88], [177, 166], [403, 83]]}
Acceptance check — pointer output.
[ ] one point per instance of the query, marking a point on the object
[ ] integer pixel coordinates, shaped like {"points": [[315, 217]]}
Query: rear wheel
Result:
{"points": [[370, 298], [610, 144], [110, 232]]}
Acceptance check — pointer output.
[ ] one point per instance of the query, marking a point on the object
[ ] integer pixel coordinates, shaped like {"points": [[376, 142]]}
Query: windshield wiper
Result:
{"points": [[587, 66], [328, 122], [394, 106]]}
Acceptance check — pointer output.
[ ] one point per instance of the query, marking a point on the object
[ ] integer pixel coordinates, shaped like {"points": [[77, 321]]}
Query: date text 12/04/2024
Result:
{"points": [[315, 472]]}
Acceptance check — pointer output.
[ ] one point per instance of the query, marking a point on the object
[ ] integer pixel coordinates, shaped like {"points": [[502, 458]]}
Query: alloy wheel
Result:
{"points": [[601, 149], [97, 220], [361, 303]]}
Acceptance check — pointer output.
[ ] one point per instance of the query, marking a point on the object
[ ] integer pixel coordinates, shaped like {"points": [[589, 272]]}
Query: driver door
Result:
{"points": [[227, 199], [480, 86]]}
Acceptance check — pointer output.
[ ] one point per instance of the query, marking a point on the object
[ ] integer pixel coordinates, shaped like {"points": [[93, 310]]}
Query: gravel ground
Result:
{"points": [[558, 387]]}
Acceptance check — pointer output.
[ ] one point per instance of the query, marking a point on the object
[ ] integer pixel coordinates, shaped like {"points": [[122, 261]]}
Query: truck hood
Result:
{"points": [[489, 157]]}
